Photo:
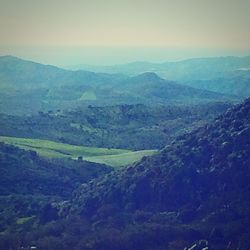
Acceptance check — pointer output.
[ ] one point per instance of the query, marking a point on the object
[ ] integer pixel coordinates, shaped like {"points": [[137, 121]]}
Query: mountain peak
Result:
{"points": [[149, 76]]}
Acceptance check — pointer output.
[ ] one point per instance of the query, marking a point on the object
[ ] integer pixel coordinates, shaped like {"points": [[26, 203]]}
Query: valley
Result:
{"points": [[114, 161], [124, 125], [131, 127]]}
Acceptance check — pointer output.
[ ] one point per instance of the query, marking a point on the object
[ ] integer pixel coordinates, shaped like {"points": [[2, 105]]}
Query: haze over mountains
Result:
{"points": [[140, 156], [228, 75], [35, 87], [149, 154]]}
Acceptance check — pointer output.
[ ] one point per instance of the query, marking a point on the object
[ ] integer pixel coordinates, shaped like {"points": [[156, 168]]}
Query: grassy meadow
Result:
{"points": [[51, 149]]}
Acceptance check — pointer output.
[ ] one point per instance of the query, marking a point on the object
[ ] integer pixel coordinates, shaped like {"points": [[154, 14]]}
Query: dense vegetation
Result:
{"points": [[24, 172], [196, 188], [29, 184], [194, 193], [191, 193], [135, 127]]}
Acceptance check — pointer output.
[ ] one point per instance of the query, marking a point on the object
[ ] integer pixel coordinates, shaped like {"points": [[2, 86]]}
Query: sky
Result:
{"points": [[118, 31]]}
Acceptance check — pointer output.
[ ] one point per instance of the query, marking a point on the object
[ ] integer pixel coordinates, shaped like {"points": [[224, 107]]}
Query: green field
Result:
{"points": [[51, 149]]}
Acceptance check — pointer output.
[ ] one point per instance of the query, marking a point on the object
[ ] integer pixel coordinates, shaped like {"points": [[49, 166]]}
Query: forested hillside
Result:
{"points": [[135, 127], [193, 194], [29, 184]]}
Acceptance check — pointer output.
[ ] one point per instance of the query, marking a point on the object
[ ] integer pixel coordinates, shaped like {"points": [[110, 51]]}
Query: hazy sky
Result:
{"points": [[64, 28]]}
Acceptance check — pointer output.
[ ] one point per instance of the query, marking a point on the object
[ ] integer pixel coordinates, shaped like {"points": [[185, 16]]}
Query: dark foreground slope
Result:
{"points": [[29, 184], [24, 172], [197, 188], [205, 154], [195, 191]]}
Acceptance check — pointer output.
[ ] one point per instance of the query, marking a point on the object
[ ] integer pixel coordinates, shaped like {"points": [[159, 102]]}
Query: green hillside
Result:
{"points": [[51, 149]]}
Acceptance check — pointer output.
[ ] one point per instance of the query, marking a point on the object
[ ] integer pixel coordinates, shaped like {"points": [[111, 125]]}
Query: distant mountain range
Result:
{"points": [[229, 75], [31, 87]]}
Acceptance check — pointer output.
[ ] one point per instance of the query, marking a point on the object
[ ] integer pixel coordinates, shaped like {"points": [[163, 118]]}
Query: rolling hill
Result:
{"points": [[194, 194], [24, 172], [133, 127], [229, 75], [30, 183], [31, 87]]}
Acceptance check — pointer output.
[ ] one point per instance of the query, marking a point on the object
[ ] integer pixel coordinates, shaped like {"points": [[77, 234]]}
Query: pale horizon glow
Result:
{"points": [[161, 29]]}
